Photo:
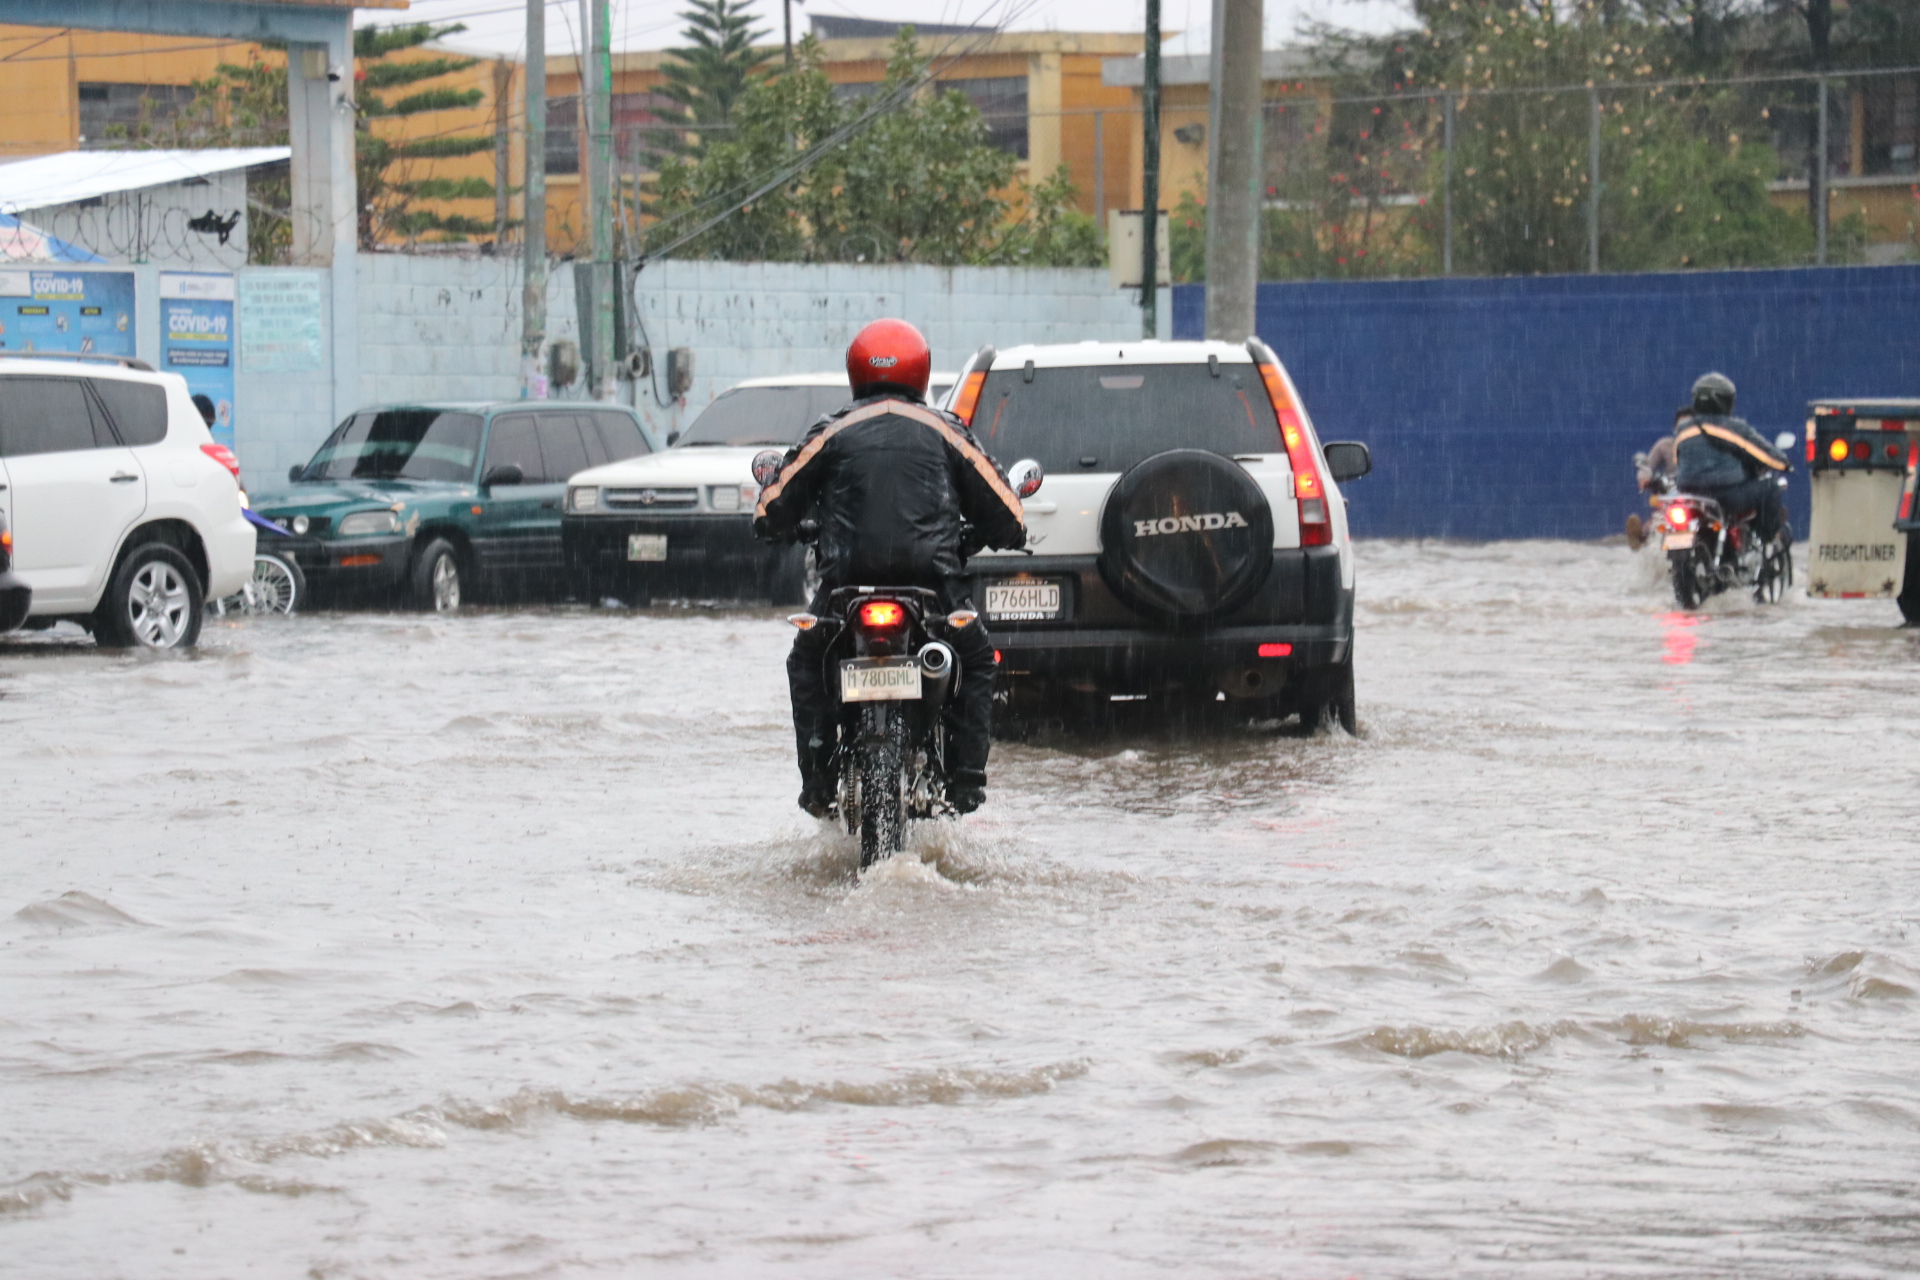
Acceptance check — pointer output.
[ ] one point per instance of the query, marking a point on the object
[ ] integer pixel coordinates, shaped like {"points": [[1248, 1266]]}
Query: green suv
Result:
{"points": [[431, 503]]}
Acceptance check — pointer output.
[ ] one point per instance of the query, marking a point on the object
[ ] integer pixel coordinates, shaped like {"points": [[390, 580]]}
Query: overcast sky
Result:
{"points": [[499, 26]]}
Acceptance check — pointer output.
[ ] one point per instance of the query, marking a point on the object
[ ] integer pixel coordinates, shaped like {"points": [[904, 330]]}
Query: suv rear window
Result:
{"points": [[400, 444], [1119, 415], [138, 409], [763, 415]]}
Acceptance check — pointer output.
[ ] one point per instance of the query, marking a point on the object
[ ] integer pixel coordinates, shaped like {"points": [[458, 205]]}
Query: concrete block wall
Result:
{"points": [[434, 327], [758, 319]]}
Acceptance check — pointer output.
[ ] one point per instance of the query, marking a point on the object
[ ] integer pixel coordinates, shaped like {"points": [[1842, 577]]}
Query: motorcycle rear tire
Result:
{"points": [[1688, 587], [882, 784]]}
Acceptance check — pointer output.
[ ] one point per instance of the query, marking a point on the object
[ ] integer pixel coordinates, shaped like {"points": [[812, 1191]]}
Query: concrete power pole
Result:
{"points": [[1233, 169], [597, 91], [533, 292], [1150, 179]]}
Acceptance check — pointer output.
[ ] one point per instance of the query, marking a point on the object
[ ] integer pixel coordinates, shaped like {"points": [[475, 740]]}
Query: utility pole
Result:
{"points": [[1446, 241], [1233, 169], [1817, 181], [597, 90], [533, 290], [1593, 181], [1150, 180], [787, 7]]}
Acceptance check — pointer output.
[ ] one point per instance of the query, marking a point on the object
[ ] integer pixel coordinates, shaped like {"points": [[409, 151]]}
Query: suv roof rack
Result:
{"points": [[125, 362]]}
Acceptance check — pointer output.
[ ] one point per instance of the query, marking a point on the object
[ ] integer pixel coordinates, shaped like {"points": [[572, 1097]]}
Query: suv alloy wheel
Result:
{"points": [[154, 601]]}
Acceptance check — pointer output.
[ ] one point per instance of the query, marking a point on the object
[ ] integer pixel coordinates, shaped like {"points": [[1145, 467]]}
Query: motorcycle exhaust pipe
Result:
{"points": [[938, 670]]}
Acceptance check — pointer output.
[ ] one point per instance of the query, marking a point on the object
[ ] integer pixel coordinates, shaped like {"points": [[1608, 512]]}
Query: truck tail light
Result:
{"points": [[1316, 527]]}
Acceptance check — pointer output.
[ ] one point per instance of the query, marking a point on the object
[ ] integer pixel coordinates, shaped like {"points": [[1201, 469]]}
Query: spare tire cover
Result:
{"points": [[1186, 535]]}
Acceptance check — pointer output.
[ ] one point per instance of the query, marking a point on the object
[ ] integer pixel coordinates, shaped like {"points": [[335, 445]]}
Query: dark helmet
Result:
{"points": [[889, 353], [1713, 393]]}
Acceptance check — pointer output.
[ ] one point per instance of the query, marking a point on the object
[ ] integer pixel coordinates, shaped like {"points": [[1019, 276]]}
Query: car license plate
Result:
{"points": [[879, 679], [647, 546], [1678, 541], [1022, 601]]}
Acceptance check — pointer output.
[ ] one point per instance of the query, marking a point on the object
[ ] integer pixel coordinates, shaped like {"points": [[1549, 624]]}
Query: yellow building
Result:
{"points": [[65, 90], [1042, 94]]}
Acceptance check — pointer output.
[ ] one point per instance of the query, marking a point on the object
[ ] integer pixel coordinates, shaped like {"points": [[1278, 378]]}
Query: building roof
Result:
{"points": [[1195, 68], [71, 176], [833, 27]]}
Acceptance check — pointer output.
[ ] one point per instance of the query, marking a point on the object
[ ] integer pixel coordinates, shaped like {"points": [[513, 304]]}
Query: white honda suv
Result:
{"points": [[1191, 537], [126, 516]]}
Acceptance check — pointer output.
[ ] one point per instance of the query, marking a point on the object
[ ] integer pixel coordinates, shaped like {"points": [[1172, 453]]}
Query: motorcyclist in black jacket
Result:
{"points": [[1722, 458], [902, 494]]}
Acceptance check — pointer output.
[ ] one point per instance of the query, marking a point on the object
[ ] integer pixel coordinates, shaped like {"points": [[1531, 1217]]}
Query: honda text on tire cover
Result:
{"points": [[1192, 541]]}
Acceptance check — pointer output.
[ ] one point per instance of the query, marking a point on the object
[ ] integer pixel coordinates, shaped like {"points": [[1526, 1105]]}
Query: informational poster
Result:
{"points": [[196, 340], [280, 321], [66, 310]]}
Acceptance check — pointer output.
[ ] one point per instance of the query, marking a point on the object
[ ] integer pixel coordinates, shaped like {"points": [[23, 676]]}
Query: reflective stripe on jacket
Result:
{"points": [[1715, 450], [890, 482]]}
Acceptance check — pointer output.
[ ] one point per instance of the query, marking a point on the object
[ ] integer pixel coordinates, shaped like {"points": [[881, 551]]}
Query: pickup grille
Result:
{"points": [[651, 499]]}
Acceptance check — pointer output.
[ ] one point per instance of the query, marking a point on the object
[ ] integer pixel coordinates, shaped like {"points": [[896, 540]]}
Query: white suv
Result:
{"points": [[126, 516], [680, 523], [1191, 537]]}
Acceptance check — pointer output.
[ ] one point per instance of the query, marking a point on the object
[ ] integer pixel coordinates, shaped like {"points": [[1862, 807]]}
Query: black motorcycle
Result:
{"points": [[897, 678], [1708, 554]]}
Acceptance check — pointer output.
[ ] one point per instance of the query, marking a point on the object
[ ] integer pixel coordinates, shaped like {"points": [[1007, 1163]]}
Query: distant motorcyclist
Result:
{"points": [[1722, 458], [902, 494]]}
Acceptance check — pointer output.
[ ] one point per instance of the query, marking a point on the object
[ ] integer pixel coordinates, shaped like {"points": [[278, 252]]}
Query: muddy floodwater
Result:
{"points": [[378, 945]]}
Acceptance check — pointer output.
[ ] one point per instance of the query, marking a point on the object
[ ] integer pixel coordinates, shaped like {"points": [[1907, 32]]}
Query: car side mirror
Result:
{"points": [[1783, 441], [766, 466], [1348, 459], [505, 473], [673, 438], [1026, 476], [295, 471]]}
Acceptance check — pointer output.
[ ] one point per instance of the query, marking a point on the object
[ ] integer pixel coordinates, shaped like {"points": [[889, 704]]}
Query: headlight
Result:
{"points": [[300, 525], [584, 499], [724, 497], [362, 523]]}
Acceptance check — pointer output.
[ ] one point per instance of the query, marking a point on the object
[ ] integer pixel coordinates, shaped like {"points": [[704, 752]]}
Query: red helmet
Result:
{"points": [[889, 351]]}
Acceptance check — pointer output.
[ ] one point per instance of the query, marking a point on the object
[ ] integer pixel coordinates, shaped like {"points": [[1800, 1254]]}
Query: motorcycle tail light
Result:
{"points": [[881, 614], [1281, 650], [1678, 517]]}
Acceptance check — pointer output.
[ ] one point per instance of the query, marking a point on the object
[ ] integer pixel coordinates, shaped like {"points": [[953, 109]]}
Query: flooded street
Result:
{"points": [[369, 945]]}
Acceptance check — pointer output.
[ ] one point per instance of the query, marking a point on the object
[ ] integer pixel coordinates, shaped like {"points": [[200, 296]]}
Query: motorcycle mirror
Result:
{"points": [[1783, 441], [766, 466], [1026, 476]]}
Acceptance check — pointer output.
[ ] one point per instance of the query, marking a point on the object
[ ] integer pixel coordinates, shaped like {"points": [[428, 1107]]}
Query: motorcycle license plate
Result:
{"points": [[879, 679], [1023, 601], [647, 546], [1678, 541]]}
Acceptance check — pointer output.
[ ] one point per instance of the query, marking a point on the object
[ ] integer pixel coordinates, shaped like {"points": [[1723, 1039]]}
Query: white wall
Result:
{"points": [[434, 327], [149, 226]]}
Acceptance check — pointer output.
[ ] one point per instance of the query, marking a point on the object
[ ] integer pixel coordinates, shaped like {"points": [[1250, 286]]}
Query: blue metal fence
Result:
{"points": [[1511, 408]]}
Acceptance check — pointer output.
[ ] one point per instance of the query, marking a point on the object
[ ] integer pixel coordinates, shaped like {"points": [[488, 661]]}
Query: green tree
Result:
{"points": [[392, 198], [710, 73], [915, 182]]}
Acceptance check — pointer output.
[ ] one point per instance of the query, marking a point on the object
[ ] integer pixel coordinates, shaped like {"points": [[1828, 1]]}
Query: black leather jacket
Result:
{"points": [[890, 482]]}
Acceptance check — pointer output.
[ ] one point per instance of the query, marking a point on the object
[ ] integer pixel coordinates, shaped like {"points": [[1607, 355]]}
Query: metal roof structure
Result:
{"points": [[72, 176]]}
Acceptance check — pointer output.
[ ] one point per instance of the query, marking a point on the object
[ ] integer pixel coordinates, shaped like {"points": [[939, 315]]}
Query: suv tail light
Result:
{"points": [[969, 398], [224, 456], [1316, 525], [6, 548]]}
